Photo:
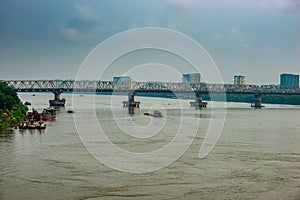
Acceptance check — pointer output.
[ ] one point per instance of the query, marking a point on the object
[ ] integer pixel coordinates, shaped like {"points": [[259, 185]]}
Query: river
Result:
{"points": [[256, 157]]}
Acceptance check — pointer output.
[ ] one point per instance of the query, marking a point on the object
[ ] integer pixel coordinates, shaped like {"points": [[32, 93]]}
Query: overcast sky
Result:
{"points": [[49, 39]]}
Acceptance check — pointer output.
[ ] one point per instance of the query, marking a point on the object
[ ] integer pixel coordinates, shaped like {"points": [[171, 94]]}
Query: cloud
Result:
{"points": [[279, 5], [184, 4], [264, 5], [73, 34], [239, 37], [289, 5], [85, 13], [235, 35], [217, 36], [181, 5], [69, 33], [85, 24]]}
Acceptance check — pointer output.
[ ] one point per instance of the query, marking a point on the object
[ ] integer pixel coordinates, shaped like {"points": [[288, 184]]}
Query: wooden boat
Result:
{"points": [[23, 125], [31, 125], [41, 125]]}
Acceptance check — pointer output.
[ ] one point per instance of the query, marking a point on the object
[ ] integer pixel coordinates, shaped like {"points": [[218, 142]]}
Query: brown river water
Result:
{"points": [[256, 157]]}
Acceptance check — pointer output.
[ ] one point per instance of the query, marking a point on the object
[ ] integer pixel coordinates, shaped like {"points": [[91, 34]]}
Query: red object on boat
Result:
{"points": [[47, 114]]}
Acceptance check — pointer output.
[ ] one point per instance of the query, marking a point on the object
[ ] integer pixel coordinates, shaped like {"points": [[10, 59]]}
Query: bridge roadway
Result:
{"points": [[60, 86]]}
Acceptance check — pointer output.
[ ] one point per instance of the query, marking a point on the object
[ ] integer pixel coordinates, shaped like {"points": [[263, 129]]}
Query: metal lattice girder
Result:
{"points": [[88, 85], [105, 85]]}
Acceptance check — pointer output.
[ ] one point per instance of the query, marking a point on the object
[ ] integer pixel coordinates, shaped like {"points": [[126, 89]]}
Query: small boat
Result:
{"points": [[70, 111], [57, 102], [154, 114], [33, 94], [33, 115], [31, 125], [27, 103], [47, 114], [41, 125], [23, 125]]}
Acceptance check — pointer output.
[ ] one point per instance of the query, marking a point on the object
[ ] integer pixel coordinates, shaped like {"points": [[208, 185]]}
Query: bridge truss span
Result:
{"points": [[95, 85]]}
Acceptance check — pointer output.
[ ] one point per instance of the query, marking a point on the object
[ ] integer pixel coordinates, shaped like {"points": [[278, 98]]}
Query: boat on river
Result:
{"points": [[33, 115], [31, 125], [27, 103], [23, 125], [57, 102], [48, 114], [41, 125], [156, 113]]}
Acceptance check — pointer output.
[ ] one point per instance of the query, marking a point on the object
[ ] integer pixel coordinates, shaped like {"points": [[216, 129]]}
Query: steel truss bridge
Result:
{"points": [[60, 86]]}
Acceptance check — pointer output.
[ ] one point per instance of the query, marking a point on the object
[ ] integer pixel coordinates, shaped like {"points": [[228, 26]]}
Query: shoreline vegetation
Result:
{"points": [[236, 98], [12, 111]]}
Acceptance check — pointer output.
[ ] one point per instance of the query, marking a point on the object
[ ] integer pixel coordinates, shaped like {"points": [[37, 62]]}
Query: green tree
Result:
{"points": [[10, 101]]}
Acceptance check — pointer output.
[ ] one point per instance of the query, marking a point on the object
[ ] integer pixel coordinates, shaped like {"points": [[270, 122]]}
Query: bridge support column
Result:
{"points": [[131, 102], [131, 99], [198, 103], [257, 103], [57, 95], [57, 101]]}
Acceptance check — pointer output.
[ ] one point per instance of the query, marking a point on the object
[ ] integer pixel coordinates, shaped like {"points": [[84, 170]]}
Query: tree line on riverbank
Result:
{"points": [[12, 111], [246, 98], [266, 98]]}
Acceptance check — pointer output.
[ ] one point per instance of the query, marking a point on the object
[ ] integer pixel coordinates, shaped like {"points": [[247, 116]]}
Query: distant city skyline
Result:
{"points": [[50, 39]]}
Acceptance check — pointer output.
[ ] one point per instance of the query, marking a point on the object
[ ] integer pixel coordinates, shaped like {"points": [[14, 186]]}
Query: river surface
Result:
{"points": [[256, 157]]}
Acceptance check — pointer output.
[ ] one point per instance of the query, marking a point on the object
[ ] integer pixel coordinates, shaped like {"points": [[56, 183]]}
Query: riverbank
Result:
{"points": [[237, 98], [11, 118], [12, 111]]}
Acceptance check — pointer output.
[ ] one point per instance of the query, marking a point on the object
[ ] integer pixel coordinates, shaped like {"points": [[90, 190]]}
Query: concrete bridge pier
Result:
{"points": [[57, 95], [257, 103], [131, 99], [131, 110], [57, 100], [131, 102], [198, 103]]}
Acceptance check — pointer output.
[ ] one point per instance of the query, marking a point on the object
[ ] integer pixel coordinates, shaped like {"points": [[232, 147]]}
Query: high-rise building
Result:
{"points": [[289, 81], [191, 78], [239, 80]]}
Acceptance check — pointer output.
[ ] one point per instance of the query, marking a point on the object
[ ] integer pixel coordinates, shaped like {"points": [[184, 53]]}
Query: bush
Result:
{"points": [[9, 100]]}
